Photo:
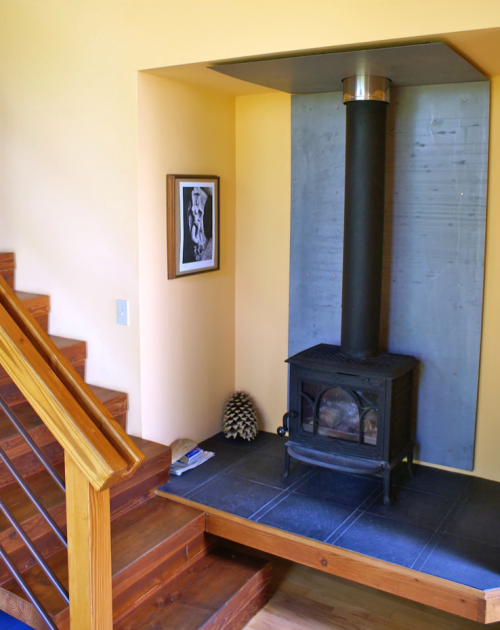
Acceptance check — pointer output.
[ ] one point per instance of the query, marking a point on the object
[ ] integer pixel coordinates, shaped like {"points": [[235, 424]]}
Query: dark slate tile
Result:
{"points": [[263, 439], [335, 535], [418, 508], [306, 516], [484, 492], [235, 495], [268, 469], [433, 480], [465, 561], [350, 490], [275, 447], [191, 480], [478, 520], [225, 455], [385, 539]]}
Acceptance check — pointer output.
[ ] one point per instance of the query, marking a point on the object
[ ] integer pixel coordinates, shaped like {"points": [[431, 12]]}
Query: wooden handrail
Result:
{"points": [[98, 454], [60, 412], [72, 381]]}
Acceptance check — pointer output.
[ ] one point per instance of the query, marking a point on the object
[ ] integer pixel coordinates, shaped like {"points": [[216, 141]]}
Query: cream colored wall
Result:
{"points": [[263, 250], [69, 193], [487, 459], [187, 324]]}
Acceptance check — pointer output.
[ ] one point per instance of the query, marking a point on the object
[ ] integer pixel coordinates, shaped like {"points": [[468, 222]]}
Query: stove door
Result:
{"points": [[339, 413]]}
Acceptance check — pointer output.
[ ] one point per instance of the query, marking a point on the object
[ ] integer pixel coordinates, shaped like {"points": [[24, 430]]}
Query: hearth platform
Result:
{"points": [[438, 544]]}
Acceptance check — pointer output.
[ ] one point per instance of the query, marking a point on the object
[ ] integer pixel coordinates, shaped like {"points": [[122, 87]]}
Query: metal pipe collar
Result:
{"points": [[366, 88]]}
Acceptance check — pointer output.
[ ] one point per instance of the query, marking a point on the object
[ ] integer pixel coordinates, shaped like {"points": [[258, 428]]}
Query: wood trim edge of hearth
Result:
{"points": [[464, 601]]}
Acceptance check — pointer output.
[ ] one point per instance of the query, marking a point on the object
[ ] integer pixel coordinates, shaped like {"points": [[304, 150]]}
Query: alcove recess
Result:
{"points": [[435, 219]]}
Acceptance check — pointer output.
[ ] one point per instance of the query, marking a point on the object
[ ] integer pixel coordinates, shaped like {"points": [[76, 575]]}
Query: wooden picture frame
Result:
{"points": [[192, 224]]}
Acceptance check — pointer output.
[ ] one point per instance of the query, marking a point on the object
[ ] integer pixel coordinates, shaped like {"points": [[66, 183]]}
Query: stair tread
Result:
{"points": [[72, 349], [206, 595], [22, 508], [31, 420], [51, 495], [160, 518], [35, 301], [108, 396], [125, 496]]}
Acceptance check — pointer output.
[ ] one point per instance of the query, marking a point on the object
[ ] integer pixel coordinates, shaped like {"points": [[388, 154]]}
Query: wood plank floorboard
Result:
{"points": [[308, 599]]}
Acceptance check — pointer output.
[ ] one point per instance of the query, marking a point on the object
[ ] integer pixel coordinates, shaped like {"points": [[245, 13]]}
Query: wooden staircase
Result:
{"points": [[167, 571]]}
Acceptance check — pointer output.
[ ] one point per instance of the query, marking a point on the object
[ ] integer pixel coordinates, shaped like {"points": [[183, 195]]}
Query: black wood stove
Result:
{"points": [[350, 414], [350, 406]]}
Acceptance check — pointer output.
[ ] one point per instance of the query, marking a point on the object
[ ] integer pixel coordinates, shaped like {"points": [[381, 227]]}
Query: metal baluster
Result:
{"points": [[34, 551], [40, 507], [29, 593], [34, 446]]}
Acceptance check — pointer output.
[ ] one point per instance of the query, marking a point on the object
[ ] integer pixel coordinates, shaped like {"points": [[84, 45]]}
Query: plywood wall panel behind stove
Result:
{"points": [[437, 150]]}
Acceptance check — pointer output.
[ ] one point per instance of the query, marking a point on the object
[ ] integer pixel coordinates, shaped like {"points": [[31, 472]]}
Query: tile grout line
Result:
{"points": [[326, 541], [376, 492], [227, 471], [208, 481], [224, 470], [437, 535], [288, 491]]}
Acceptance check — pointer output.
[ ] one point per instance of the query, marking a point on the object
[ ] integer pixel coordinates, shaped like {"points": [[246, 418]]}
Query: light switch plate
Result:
{"points": [[122, 312]]}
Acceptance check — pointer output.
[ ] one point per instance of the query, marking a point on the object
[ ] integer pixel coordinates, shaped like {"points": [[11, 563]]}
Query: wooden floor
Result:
{"points": [[308, 599]]}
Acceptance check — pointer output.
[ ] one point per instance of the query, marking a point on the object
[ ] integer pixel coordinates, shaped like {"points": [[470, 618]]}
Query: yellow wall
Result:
{"points": [[263, 250], [69, 194], [187, 324], [487, 460]]}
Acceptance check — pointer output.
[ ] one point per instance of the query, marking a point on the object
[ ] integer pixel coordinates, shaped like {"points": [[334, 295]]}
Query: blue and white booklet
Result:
{"points": [[195, 457]]}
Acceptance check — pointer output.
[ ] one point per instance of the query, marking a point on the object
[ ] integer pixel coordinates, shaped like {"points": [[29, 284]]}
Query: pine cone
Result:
{"points": [[240, 417]]}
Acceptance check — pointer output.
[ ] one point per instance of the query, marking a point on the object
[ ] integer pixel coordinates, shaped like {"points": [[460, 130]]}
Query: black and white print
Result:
{"points": [[197, 218]]}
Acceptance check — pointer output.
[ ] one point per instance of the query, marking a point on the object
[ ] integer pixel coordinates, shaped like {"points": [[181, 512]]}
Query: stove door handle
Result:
{"points": [[282, 431]]}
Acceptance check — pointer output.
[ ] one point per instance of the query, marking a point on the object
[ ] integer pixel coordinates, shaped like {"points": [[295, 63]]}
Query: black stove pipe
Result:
{"points": [[366, 100]]}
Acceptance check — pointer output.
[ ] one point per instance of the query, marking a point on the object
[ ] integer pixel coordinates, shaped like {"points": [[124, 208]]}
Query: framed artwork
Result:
{"points": [[192, 224]]}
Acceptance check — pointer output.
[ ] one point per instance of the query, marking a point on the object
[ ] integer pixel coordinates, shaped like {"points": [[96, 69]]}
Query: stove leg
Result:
{"points": [[388, 498], [409, 460], [287, 464]]}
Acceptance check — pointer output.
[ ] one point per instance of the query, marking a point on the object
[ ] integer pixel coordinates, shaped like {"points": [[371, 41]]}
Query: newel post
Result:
{"points": [[89, 552]]}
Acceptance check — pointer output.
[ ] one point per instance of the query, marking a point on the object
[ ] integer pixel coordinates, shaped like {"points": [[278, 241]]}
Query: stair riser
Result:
{"points": [[47, 545], [12, 394], [7, 267], [36, 528], [149, 583], [72, 355], [152, 571], [121, 418], [147, 479], [43, 320], [28, 463], [139, 493], [233, 614], [243, 615], [9, 277], [152, 560], [221, 591], [131, 492], [39, 307], [244, 604]]}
